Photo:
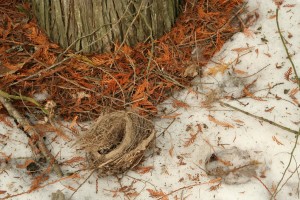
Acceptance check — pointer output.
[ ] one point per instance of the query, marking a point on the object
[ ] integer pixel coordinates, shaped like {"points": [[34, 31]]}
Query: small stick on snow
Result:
{"points": [[260, 118], [32, 133]]}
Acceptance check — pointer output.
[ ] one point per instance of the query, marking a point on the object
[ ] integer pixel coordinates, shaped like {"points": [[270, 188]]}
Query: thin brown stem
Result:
{"points": [[32, 134]]}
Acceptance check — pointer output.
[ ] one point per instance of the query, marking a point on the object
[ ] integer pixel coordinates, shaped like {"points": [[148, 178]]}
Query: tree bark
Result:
{"points": [[96, 25]]}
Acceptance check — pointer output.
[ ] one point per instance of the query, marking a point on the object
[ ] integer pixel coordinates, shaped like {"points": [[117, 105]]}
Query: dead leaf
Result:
{"points": [[278, 2], [242, 49], [7, 68], [132, 194], [215, 180], [224, 124], [171, 150], [239, 121], [248, 33], [199, 128], [6, 157], [61, 134], [215, 187], [143, 170], [270, 109], [272, 17], [74, 160], [216, 69], [5, 120], [225, 162], [158, 194], [27, 162], [190, 140], [249, 94], [140, 91], [2, 191], [191, 71], [179, 104], [238, 71], [289, 5], [251, 18], [37, 181], [70, 188], [257, 52], [288, 73], [276, 140], [74, 122], [170, 116], [166, 54], [292, 94]]}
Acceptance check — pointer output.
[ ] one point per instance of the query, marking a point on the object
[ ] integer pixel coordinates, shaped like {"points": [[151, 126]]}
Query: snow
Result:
{"points": [[178, 167]]}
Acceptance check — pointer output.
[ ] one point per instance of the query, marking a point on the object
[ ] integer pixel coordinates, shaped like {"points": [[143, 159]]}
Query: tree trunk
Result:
{"points": [[96, 25]]}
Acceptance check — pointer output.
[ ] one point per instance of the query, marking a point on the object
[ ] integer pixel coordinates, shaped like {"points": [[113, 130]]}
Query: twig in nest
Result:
{"points": [[32, 133]]}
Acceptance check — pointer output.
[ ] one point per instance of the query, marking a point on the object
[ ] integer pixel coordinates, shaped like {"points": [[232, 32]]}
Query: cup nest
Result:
{"points": [[117, 142]]}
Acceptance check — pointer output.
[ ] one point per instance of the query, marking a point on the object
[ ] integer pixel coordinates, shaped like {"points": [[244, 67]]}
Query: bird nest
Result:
{"points": [[117, 142]]}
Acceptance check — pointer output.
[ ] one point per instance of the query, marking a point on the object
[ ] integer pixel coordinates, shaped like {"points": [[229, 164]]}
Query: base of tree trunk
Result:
{"points": [[96, 25]]}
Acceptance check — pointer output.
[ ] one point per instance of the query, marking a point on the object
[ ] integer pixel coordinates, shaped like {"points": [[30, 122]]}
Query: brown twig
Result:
{"points": [[189, 187], [165, 129], [40, 187], [182, 188], [85, 180], [260, 118], [263, 184], [32, 133], [298, 83], [285, 182]]}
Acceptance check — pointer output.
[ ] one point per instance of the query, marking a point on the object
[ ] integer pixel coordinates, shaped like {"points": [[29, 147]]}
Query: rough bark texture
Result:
{"points": [[95, 25]]}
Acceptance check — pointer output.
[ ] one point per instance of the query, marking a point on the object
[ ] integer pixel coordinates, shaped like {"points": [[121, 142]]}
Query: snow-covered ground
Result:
{"points": [[176, 169]]}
